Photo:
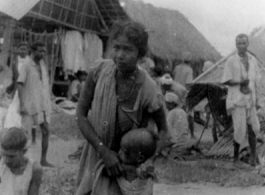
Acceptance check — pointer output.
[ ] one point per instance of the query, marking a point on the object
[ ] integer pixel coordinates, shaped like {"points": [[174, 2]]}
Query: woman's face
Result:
{"points": [[124, 54]]}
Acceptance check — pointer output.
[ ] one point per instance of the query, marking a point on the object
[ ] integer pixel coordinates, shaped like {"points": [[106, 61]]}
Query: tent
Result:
{"points": [[257, 44], [215, 73]]}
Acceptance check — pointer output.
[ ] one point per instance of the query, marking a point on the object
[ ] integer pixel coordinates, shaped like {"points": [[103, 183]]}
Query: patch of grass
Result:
{"points": [[171, 172], [59, 182]]}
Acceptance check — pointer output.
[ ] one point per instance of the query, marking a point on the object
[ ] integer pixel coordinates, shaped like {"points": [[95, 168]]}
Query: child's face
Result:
{"points": [[129, 152], [12, 158]]}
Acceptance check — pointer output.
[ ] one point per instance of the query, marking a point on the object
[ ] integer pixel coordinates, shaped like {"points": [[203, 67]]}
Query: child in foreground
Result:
{"points": [[19, 175], [136, 147]]}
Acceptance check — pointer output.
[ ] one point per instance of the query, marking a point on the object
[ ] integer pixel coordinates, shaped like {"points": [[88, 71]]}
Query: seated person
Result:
{"points": [[136, 147], [177, 122], [75, 87], [169, 85], [19, 175]]}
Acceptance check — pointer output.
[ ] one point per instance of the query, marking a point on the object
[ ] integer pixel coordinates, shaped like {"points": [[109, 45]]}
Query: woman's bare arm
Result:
{"points": [[109, 157], [83, 107]]}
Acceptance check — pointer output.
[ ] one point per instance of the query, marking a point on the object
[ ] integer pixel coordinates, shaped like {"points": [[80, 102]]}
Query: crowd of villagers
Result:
{"points": [[127, 114]]}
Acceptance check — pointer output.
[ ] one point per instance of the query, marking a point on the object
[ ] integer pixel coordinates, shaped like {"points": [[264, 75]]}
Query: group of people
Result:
{"points": [[125, 116], [30, 108]]}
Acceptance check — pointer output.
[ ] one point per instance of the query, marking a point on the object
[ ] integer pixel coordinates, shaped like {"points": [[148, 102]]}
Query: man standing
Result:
{"points": [[183, 73], [34, 96], [241, 75]]}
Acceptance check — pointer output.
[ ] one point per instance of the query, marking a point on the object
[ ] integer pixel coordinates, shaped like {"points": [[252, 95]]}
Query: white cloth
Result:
{"points": [[13, 117], [178, 126], [15, 184], [93, 49], [166, 79], [235, 70], [72, 51], [171, 97]]}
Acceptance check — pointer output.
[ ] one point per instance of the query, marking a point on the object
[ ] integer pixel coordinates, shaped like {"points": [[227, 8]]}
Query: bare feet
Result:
{"points": [[44, 163]]}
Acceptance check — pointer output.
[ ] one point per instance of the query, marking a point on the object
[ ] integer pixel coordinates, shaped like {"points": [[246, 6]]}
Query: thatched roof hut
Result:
{"points": [[170, 32]]}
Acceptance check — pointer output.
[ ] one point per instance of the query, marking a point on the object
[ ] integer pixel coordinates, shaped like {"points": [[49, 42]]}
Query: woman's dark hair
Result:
{"points": [[134, 31], [37, 44]]}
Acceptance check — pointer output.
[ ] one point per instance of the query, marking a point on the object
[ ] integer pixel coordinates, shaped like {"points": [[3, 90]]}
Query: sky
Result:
{"points": [[219, 20]]}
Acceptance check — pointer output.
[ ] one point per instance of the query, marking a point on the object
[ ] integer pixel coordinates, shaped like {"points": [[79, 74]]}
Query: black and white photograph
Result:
{"points": [[132, 97]]}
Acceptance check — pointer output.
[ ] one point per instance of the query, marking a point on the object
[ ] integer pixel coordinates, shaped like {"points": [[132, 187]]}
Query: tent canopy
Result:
{"points": [[17, 9]]}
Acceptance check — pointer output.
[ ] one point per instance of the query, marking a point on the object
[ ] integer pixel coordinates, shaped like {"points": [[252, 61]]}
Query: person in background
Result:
{"points": [[19, 60], [19, 175], [76, 85], [34, 96], [13, 118], [177, 121], [169, 85], [183, 74], [241, 75]]}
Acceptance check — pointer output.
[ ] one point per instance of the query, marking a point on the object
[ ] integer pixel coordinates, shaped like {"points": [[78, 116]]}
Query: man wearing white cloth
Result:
{"points": [[241, 74]]}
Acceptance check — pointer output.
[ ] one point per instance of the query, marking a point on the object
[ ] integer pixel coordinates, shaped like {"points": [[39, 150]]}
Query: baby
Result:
{"points": [[18, 174], [135, 148]]}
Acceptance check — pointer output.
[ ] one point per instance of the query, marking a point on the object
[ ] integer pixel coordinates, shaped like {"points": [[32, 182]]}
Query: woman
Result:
{"points": [[119, 97]]}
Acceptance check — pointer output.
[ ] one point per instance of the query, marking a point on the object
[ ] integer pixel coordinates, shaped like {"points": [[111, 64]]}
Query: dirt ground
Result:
{"points": [[60, 180], [58, 155]]}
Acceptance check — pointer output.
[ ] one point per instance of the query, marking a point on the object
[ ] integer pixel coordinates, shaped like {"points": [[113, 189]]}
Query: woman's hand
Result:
{"points": [[112, 162]]}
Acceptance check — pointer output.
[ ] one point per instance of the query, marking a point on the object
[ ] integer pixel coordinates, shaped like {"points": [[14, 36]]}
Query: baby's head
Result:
{"points": [[137, 146], [13, 143]]}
